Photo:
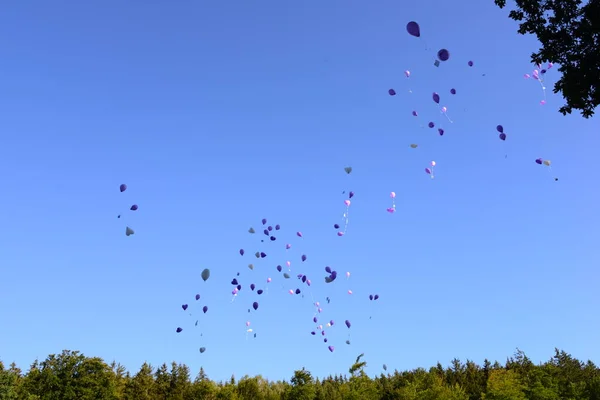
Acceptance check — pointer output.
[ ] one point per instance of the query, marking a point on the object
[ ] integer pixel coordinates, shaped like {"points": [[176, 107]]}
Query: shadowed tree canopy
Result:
{"points": [[569, 32]]}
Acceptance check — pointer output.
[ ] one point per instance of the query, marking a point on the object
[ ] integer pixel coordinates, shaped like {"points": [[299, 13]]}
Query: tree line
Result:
{"points": [[73, 376]]}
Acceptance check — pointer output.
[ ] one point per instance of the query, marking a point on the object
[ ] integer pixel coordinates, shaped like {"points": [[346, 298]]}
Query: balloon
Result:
{"points": [[415, 114], [251, 266], [348, 170], [331, 348], [123, 188], [252, 286], [241, 252], [502, 136], [393, 195], [407, 73], [500, 128], [184, 306], [539, 161], [441, 131], [178, 330], [470, 63], [375, 297], [436, 97], [286, 275], [277, 227], [351, 194], [433, 163], [348, 324], [303, 257], [347, 274], [264, 221], [444, 109], [428, 171], [453, 91], [269, 280], [134, 207], [431, 124], [547, 163], [204, 309], [391, 92], [129, 231], [384, 367], [299, 234], [202, 349], [349, 291], [255, 305], [251, 230], [197, 297], [414, 146], [205, 274], [443, 55], [413, 29], [288, 246], [259, 291]]}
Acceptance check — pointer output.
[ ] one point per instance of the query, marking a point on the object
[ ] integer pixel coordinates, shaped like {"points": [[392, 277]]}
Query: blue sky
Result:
{"points": [[219, 114]]}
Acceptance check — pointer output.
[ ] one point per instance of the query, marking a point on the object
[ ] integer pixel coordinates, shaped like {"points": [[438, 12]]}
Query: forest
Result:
{"points": [[71, 375]]}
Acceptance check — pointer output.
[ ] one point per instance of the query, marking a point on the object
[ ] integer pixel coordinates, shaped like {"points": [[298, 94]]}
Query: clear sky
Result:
{"points": [[218, 114]]}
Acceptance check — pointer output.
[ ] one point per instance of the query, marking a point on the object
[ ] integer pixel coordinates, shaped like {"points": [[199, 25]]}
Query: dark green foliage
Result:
{"points": [[71, 375], [569, 32]]}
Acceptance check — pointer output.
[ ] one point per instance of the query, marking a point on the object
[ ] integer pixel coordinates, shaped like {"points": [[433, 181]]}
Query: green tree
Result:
{"points": [[71, 375], [504, 385], [303, 387], [9, 381], [141, 386], [569, 32]]}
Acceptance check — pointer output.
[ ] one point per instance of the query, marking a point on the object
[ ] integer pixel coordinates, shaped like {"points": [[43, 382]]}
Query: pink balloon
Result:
{"points": [[391, 210], [308, 282], [247, 323], [349, 291], [268, 280], [347, 203], [393, 194], [320, 309], [407, 73], [340, 233], [543, 102], [320, 327], [527, 76], [288, 246], [317, 304], [291, 291], [288, 263], [444, 109], [347, 274], [550, 65]]}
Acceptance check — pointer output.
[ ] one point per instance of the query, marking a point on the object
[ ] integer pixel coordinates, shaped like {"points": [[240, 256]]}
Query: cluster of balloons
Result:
{"points": [[133, 207]]}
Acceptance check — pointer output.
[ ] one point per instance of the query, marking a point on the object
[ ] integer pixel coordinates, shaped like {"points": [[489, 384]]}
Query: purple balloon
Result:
{"points": [[134, 207], [370, 297], [273, 238], [241, 252], [197, 297], [328, 270], [252, 286], [277, 227], [427, 171], [441, 131], [392, 92], [325, 340], [375, 297], [178, 330], [259, 291], [431, 124], [453, 91], [279, 268], [266, 232], [470, 63], [255, 305], [350, 195], [331, 348], [336, 226], [123, 188], [263, 255], [297, 291], [436, 97], [415, 114], [413, 29], [500, 128], [315, 320], [204, 309], [239, 287], [443, 55], [303, 257], [184, 306], [348, 324], [313, 333], [269, 228], [502, 136], [234, 281], [264, 221], [539, 161]]}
